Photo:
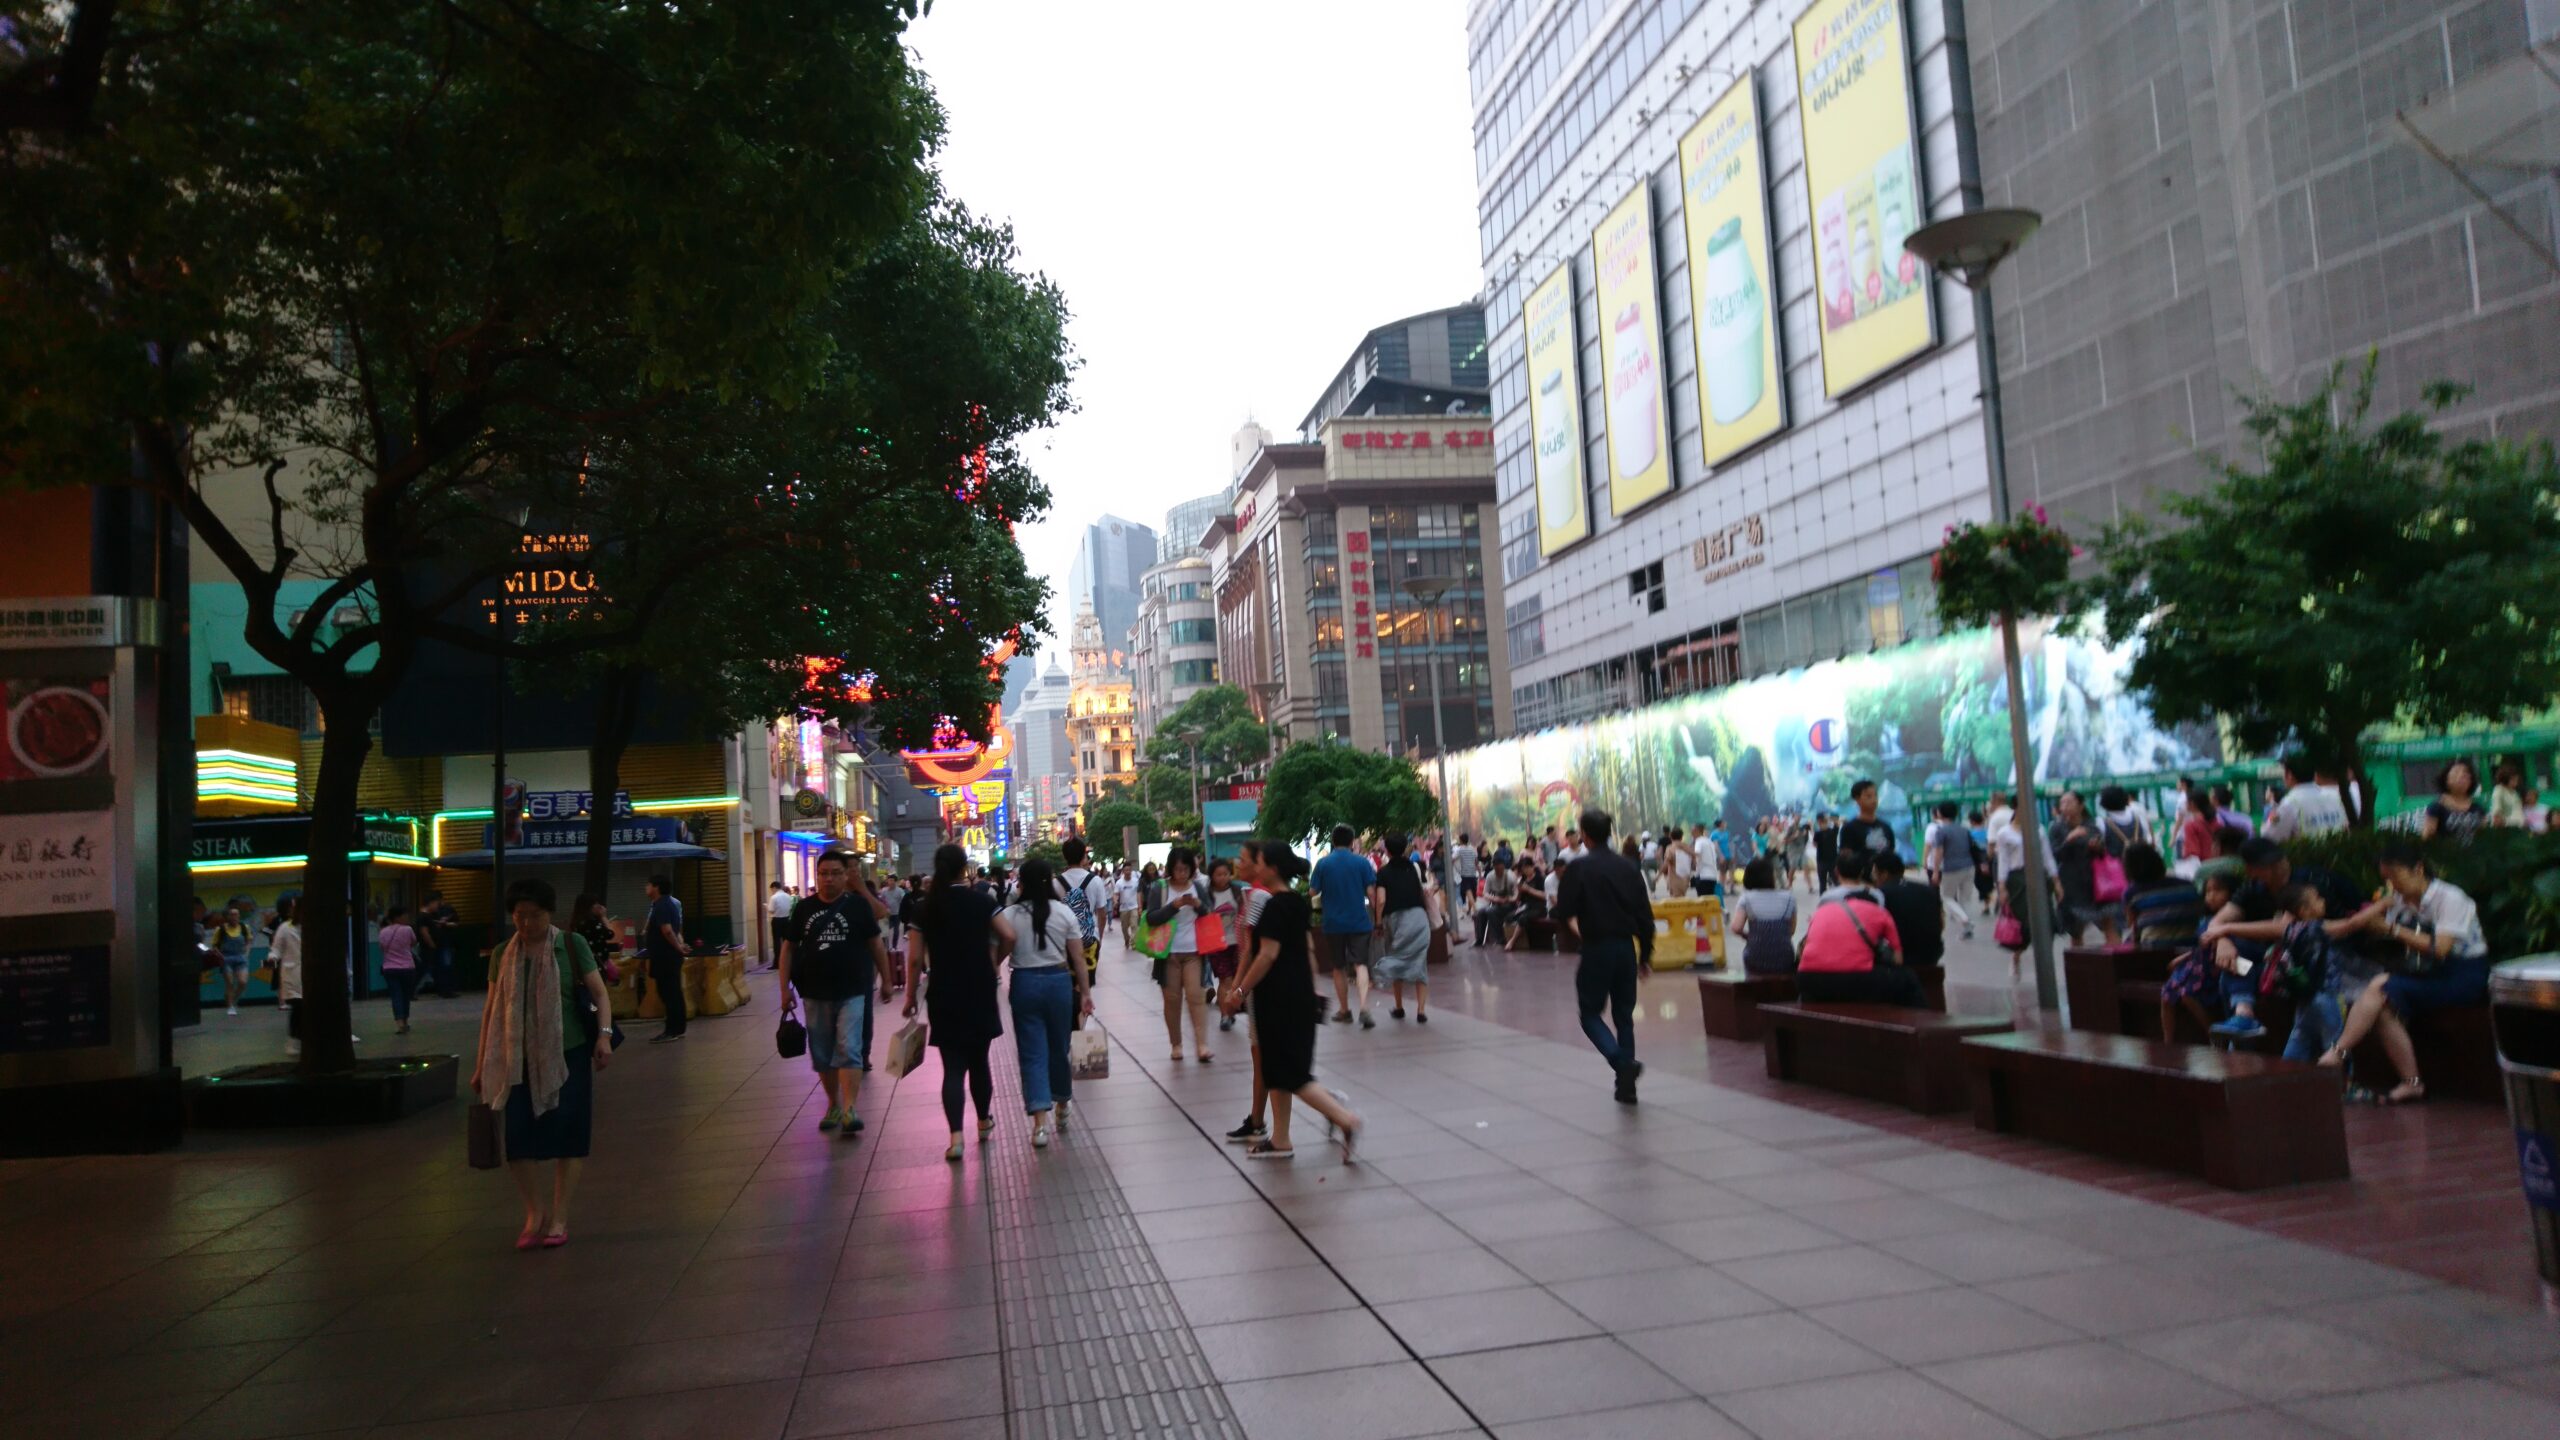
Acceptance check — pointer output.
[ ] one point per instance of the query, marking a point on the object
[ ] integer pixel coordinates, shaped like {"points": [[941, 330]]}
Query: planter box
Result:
{"points": [[375, 1092]]}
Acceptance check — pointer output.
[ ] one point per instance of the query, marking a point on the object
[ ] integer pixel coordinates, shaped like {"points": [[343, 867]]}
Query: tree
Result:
{"points": [[1231, 736], [1105, 822], [407, 265], [2352, 576], [1312, 788]]}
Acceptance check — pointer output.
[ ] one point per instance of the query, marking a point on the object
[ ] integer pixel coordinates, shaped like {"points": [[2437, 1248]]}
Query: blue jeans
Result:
{"points": [[2316, 1025], [1044, 1015], [1607, 976], [404, 988]]}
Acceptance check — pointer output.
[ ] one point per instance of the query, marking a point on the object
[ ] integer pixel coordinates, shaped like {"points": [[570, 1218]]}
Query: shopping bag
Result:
{"points": [[1089, 1052], [2106, 879], [482, 1137], [791, 1038], [906, 1049], [1155, 941]]}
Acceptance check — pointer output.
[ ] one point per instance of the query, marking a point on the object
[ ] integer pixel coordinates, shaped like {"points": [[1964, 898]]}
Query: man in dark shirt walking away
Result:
{"points": [[1603, 899], [831, 956], [664, 945], [1826, 851]]}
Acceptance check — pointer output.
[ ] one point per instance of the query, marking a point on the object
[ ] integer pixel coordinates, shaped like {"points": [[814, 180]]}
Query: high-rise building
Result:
{"points": [[1101, 727], [1427, 364], [1111, 560], [1176, 655], [1043, 760]]}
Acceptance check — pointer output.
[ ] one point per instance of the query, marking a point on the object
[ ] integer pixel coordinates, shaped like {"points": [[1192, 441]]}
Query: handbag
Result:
{"points": [[482, 1141], [906, 1048], [791, 1038], [2106, 879], [1089, 1053], [2008, 934], [1211, 932]]}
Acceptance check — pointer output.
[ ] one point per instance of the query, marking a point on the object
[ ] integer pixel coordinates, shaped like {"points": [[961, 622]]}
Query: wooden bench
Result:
{"points": [[2241, 1121], [2457, 1054], [1883, 1052], [2096, 981], [1729, 1001]]}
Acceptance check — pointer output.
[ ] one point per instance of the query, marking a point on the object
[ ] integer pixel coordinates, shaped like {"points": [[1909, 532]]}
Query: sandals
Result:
{"points": [[1265, 1150]]}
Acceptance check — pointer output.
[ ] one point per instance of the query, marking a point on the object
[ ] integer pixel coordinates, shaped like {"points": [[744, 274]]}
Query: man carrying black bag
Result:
{"points": [[831, 960]]}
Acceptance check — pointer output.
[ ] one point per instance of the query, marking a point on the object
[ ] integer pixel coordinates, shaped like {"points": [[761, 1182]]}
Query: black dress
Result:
{"points": [[960, 998], [1285, 1012]]}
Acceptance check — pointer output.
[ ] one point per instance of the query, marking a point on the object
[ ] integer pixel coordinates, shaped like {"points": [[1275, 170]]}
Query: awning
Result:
{"points": [[1230, 817], [574, 855]]}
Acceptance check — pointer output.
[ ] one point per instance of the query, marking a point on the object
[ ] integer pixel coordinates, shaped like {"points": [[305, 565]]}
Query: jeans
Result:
{"points": [[440, 975], [667, 974], [2316, 1025], [1607, 975], [404, 988], [1044, 1015]]}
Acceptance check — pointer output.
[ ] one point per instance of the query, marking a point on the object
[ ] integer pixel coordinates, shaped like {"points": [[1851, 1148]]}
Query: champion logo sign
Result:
{"points": [[1827, 739]]}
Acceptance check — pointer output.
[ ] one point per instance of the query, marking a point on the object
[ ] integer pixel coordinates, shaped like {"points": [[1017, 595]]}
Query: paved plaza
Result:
{"points": [[1515, 1254]]}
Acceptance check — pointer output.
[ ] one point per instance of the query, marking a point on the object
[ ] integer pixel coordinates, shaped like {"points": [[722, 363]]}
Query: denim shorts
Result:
{"points": [[2451, 985], [839, 1033]]}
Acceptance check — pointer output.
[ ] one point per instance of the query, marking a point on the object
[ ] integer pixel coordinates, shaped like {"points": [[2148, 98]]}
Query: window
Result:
{"points": [[1645, 587], [273, 699], [1195, 672], [1194, 632]]}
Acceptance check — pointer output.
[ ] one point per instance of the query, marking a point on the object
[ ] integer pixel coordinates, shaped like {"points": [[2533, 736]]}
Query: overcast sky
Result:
{"points": [[1230, 192]]}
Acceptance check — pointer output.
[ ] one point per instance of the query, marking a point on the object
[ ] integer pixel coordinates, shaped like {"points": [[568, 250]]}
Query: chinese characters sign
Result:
{"points": [[57, 864], [1731, 550], [53, 999], [1359, 581], [1418, 441]]}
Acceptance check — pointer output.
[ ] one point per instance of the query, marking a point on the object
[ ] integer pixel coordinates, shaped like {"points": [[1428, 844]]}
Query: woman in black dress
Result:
{"points": [[1285, 1009], [956, 948]]}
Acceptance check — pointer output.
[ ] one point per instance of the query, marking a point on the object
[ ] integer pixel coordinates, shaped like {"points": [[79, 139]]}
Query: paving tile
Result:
{"points": [[737, 1412], [2230, 1425], [2466, 1407], [903, 1339], [347, 1402], [1741, 1237], [1668, 1420], [1891, 1218], [1377, 1402], [553, 1423], [2120, 1299], [1295, 1344], [1304, 1289], [2282, 1357], [1933, 1325], [1531, 1219], [708, 1362], [1555, 1258], [1717, 1356], [898, 1395], [1385, 1279], [2454, 1328], [1885, 1405], [1987, 1253], [1819, 1277], [1567, 1377], [1494, 1319], [2067, 1390], [1678, 1294]]}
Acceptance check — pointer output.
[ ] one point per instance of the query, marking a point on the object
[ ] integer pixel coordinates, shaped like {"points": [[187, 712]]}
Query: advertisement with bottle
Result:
{"points": [[1733, 292], [1555, 411], [1853, 73], [1631, 375]]}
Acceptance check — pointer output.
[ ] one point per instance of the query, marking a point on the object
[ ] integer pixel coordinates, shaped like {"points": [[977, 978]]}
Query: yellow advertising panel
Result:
{"points": [[1853, 73], [1733, 293], [1555, 411], [1631, 354]]}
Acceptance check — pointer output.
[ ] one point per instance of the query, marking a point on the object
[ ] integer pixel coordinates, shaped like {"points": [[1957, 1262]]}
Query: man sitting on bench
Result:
{"points": [[1852, 952], [1919, 913]]}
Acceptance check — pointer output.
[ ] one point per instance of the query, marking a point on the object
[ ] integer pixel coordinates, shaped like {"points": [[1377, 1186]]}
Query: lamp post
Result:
{"points": [[1190, 738], [1967, 248], [1429, 589]]}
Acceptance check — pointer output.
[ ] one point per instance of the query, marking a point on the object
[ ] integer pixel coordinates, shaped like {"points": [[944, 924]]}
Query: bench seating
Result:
{"points": [[2095, 980], [2241, 1121], [1729, 1001], [2457, 1054], [1882, 1052]]}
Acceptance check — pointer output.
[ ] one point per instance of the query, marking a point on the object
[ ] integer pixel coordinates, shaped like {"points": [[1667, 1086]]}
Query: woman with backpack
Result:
{"points": [[540, 1046], [1180, 904]]}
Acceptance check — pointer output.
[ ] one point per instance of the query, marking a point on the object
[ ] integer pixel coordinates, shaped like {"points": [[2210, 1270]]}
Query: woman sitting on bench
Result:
{"points": [[2446, 964], [1852, 953]]}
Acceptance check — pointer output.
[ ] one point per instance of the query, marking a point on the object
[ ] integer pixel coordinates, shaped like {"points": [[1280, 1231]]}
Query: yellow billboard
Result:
{"points": [[1853, 76], [1631, 353], [1733, 293], [1555, 411]]}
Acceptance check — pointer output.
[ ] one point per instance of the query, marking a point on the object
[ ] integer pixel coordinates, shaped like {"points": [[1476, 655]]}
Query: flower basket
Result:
{"points": [[1983, 572]]}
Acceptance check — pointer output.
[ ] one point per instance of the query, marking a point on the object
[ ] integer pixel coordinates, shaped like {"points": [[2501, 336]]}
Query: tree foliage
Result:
{"points": [[1105, 823], [1230, 735], [2355, 574], [1312, 788]]}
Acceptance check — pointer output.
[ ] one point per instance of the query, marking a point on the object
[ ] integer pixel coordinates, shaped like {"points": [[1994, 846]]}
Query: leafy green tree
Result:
{"points": [[401, 267], [1312, 788], [2354, 574], [1044, 849], [1105, 822], [1231, 736]]}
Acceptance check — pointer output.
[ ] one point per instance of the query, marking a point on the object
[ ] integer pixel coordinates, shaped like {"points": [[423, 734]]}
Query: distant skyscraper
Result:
{"points": [[1111, 563]]}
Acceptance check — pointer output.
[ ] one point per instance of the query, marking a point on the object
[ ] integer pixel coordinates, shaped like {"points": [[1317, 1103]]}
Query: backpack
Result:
{"points": [[1078, 900]]}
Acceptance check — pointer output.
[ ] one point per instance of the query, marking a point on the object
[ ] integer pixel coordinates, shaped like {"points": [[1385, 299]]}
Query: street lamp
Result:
{"points": [[1429, 589], [1190, 738], [1967, 248]]}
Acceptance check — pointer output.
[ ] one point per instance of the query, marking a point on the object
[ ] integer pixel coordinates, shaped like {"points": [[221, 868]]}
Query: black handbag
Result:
{"points": [[791, 1038], [481, 1139]]}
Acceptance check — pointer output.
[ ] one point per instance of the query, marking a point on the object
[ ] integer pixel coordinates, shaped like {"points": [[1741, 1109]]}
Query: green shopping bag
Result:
{"points": [[1154, 941]]}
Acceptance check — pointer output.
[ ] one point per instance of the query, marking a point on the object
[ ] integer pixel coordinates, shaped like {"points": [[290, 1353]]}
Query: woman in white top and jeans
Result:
{"points": [[1178, 901], [1050, 995]]}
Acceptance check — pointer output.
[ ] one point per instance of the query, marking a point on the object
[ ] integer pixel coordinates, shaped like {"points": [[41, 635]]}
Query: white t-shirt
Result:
{"points": [[1682, 867], [779, 907], [2444, 910], [284, 951], [1128, 892], [2308, 809], [1065, 937], [2008, 843]]}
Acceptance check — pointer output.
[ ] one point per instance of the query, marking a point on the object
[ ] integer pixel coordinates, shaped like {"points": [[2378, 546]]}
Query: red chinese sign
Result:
{"points": [[1417, 440]]}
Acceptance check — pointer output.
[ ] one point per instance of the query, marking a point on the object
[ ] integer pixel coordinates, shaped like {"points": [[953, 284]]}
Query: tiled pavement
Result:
{"points": [[1514, 1254]]}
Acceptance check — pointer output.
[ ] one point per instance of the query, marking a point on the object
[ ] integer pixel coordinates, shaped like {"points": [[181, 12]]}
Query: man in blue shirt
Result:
{"points": [[1346, 885], [664, 945]]}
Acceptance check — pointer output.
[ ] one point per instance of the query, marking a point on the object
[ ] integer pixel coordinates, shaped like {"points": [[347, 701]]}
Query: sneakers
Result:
{"points": [[234, 1012], [1061, 1116], [1040, 1137], [292, 1049], [834, 1118], [852, 1123], [1368, 1021], [662, 1038], [1246, 1133], [2239, 1027], [1421, 1019], [1340, 1017], [1396, 1014], [1626, 1092], [1226, 1022]]}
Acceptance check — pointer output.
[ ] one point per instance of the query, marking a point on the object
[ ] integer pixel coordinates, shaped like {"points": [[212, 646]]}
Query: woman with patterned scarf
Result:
{"points": [[540, 1045]]}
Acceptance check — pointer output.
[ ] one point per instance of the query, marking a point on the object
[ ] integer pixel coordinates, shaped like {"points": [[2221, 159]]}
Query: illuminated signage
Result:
{"points": [[1417, 440]]}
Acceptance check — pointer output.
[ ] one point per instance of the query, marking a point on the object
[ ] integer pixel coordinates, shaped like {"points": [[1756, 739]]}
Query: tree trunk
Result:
{"points": [[327, 1012], [617, 714]]}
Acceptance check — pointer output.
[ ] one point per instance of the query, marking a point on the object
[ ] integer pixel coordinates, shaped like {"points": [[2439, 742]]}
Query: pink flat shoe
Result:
{"points": [[554, 1242], [527, 1240]]}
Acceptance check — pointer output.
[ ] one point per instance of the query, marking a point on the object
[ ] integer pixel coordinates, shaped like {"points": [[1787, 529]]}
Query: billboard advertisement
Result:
{"points": [[1862, 175], [1555, 411], [1631, 376], [1733, 292], [1927, 718]]}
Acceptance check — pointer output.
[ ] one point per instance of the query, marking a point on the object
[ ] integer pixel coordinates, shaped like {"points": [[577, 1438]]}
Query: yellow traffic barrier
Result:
{"points": [[1687, 932]]}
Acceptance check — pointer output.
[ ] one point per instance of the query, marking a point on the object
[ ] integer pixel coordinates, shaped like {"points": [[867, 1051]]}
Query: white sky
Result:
{"points": [[1230, 192]]}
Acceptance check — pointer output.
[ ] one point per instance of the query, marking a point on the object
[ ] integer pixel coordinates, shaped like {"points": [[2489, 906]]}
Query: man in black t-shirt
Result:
{"points": [[1915, 909], [1603, 898], [832, 958], [1826, 851], [1866, 833]]}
